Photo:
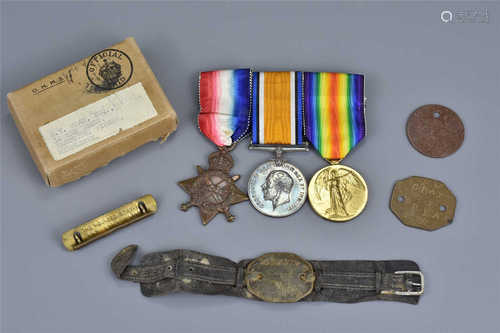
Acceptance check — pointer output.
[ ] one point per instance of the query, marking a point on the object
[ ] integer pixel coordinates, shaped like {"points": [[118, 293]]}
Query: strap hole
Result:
{"points": [[436, 115], [191, 269], [169, 267], [442, 208], [401, 198]]}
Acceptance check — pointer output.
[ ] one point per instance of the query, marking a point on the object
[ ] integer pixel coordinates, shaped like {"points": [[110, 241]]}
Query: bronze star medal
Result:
{"points": [[224, 118], [213, 191]]}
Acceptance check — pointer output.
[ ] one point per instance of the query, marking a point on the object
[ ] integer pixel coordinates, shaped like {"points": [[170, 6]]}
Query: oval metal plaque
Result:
{"points": [[280, 277]]}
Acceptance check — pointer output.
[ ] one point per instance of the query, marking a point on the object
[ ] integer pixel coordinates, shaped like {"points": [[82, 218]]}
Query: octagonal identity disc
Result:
{"points": [[423, 203]]}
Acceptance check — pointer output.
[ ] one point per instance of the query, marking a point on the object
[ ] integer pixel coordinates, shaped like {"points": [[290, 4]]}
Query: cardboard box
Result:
{"points": [[82, 117]]}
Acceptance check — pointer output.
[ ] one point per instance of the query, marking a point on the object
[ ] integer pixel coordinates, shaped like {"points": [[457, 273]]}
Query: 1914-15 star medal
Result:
{"points": [[213, 191]]}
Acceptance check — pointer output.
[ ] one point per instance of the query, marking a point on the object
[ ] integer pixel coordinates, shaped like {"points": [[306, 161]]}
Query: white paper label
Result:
{"points": [[97, 121]]}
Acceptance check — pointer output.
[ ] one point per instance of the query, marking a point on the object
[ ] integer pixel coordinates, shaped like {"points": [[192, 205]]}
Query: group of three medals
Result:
{"points": [[283, 111]]}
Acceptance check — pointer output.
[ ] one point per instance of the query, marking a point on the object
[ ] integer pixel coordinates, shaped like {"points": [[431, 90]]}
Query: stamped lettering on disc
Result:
{"points": [[423, 203]]}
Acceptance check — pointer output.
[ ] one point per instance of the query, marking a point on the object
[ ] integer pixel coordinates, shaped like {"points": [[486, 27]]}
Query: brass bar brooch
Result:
{"points": [[105, 224]]}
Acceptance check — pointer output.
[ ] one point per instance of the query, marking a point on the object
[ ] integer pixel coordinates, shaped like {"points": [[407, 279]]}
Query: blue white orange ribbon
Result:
{"points": [[277, 108]]}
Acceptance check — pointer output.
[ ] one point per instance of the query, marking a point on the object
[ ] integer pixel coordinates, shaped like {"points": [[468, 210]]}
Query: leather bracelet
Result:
{"points": [[272, 277]]}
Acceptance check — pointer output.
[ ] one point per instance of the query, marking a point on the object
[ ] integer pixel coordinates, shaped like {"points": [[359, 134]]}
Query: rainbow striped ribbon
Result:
{"points": [[277, 116], [224, 105], [334, 112]]}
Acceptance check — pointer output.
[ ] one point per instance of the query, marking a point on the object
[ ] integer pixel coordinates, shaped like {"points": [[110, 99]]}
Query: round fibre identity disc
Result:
{"points": [[435, 131]]}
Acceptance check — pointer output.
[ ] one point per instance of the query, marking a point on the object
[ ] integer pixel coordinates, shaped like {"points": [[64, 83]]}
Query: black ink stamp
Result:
{"points": [[47, 84], [109, 69]]}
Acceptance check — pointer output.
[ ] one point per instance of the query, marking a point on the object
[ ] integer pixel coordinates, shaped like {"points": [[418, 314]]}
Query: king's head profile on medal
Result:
{"points": [[277, 188], [283, 111]]}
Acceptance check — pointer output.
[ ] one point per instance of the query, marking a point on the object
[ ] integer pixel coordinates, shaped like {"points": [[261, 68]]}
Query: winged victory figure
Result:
{"points": [[339, 183]]}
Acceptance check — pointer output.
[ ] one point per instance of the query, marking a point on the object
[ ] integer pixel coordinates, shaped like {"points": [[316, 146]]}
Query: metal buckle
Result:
{"points": [[408, 293]]}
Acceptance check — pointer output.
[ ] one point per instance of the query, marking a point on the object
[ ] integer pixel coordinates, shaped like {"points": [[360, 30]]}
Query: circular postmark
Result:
{"points": [[435, 131], [338, 193], [277, 188], [109, 69]]}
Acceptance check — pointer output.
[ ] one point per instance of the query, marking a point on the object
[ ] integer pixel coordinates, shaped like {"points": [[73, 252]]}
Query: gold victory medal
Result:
{"points": [[338, 193]]}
